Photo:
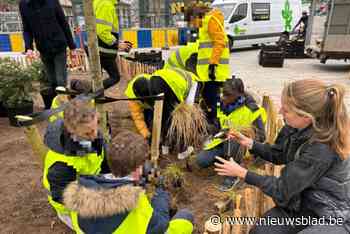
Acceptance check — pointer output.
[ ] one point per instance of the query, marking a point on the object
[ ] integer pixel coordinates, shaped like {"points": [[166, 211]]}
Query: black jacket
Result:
{"points": [[314, 177], [45, 22]]}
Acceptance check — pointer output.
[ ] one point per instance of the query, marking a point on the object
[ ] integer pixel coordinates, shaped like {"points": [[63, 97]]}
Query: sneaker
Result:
{"points": [[229, 184], [190, 150], [165, 150], [186, 153]]}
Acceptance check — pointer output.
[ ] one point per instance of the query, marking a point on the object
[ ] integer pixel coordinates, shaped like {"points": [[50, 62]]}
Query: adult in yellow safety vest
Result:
{"points": [[177, 85], [107, 30], [213, 58], [117, 203], [75, 148], [184, 58], [237, 110]]}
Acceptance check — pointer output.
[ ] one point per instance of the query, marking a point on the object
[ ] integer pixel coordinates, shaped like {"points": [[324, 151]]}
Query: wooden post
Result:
{"points": [[249, 207], [271, 122], [36, 141], [259, 198], [156, 130], [211, 228], [226, 228], [236, 229], [95, 65]]}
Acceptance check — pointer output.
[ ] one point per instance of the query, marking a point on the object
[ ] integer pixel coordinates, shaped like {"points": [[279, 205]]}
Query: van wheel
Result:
{"points": [[230, 44]]}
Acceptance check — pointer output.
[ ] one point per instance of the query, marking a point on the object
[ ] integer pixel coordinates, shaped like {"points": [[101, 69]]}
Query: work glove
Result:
{"points": [[149, 140], [211, 71], [80, 86]]}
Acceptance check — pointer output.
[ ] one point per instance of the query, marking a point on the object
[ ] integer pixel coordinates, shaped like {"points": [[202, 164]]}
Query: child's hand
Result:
{"points": [[240, 138], [229, 168]]}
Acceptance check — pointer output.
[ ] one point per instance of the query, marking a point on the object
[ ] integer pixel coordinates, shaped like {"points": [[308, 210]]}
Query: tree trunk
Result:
{"points": [[94, 60]]}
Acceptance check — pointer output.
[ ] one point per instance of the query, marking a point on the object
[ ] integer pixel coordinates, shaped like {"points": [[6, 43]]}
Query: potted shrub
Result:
{"points": [[16, 88]]}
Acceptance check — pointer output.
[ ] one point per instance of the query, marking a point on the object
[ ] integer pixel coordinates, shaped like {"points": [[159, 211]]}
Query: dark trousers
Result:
{"points": [[206, 158], [211, 96], [159, 86], [109, 64], [56, 68], [278, 212]]}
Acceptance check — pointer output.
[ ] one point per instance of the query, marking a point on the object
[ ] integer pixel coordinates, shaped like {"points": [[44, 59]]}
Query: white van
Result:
{"points": [[252, 22]]}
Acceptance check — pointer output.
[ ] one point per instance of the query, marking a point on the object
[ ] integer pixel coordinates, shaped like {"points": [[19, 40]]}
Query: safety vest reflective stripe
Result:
{"points": [[188, 78], [171, 62], [107, 51], [179, 59], [104, 22], [206, 61], [205, 51], [209, 44]]}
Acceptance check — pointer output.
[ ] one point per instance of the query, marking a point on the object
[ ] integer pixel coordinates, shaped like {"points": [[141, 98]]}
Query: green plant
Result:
{"points": [[174, 176], [16, 82]]}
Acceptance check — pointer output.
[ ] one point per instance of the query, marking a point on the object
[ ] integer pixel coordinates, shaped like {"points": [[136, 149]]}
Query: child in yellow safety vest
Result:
{"points": [[236, 110], [117, 203], [75, 147]]}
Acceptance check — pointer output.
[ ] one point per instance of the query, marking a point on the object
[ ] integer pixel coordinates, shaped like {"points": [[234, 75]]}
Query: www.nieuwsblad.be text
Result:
{"points": [[276, 221]]}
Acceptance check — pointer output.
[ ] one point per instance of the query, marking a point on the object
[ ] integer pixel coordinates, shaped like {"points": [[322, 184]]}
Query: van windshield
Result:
{"points": [[226, 9]]}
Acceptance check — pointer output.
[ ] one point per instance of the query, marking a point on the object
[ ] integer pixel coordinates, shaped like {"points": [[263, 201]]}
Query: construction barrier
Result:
{"points": [[141, 38], [5, 45], [16, 40]]}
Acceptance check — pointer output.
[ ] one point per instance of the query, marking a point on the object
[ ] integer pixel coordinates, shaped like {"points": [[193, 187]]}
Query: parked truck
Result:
{"points": [[328, 31]]}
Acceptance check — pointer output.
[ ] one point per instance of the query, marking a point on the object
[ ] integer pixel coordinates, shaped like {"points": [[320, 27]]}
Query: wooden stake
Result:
{"points": [[236, 229], [35, 140], [222, 206], [226, 228], [210, 228], [271, 123], [248, 202], [156, 130], [259, 198]]}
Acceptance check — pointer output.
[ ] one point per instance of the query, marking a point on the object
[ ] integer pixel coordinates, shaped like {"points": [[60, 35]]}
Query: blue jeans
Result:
{"points": [[206, 158], [56, 68]]}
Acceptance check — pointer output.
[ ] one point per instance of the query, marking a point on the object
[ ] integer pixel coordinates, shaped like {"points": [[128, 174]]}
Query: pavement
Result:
{"points": [[270, 81]]}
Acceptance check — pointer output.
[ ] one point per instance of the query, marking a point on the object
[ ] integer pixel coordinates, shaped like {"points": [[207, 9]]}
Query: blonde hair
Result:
{"points": [[78, 112], [324, 104]]}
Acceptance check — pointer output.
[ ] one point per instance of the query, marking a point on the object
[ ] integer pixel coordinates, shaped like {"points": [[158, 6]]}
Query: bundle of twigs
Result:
{"points": [[188, 126], [271, 123]]}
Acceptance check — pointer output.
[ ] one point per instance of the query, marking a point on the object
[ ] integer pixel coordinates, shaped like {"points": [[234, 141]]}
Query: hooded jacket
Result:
{"points": [[314, 177], [45, 22], [103, 204]]}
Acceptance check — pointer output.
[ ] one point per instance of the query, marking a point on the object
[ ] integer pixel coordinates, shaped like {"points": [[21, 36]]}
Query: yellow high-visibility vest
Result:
{"points": [[205, 49], [241, 118]]}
